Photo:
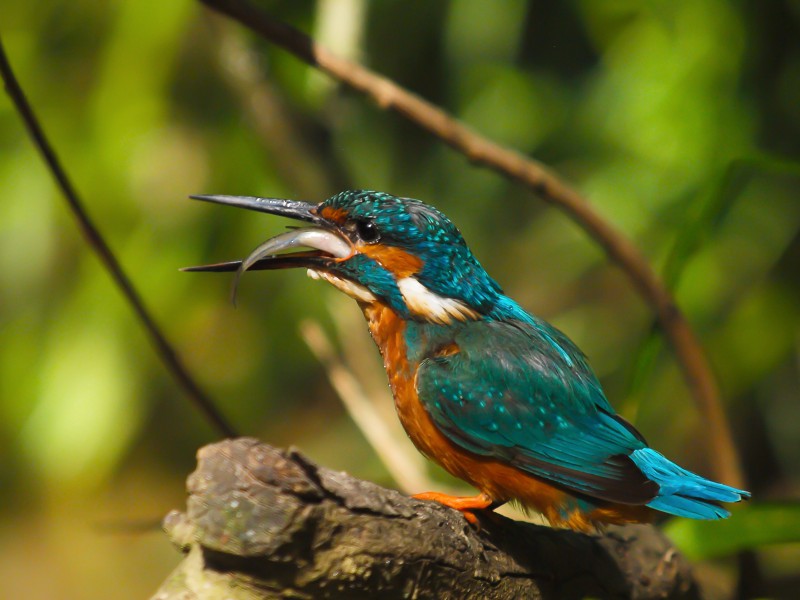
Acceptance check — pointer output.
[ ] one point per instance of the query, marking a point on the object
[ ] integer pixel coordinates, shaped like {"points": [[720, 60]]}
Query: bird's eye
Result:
{"points": [[367, 231]]}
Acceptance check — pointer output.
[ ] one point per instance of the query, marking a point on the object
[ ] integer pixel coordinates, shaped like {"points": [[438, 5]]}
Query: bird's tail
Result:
{"points": [[682, 492]]}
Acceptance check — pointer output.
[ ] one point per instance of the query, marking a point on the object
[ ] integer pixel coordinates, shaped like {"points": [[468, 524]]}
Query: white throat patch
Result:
{"points": [[352, 289], [432, 306]]}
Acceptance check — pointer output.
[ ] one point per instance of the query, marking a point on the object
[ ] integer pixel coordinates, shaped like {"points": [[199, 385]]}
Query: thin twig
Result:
{"points": [[98, 244], [406, 468], [359, 356], [542, 181], [296, 160]]}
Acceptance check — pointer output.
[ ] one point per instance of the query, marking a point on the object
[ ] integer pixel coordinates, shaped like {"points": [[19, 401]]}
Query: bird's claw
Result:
{"points": [[463, 504]]}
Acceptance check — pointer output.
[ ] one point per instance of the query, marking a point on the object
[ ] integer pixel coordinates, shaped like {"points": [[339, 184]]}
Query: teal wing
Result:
{"points": [[526, 396]]}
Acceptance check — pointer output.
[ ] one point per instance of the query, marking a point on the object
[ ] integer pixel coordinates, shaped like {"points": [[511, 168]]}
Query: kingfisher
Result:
{"points": [[495, 395]]}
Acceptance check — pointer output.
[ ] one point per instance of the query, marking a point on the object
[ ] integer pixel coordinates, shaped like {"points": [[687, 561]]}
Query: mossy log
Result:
{"points": [[267, 523]]}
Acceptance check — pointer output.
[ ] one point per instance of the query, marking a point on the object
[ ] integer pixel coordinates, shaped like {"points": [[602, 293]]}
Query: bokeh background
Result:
{"points": [[680, 121]]}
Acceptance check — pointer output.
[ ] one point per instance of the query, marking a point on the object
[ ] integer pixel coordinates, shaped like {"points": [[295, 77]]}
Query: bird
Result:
{"points": [[495, 395]]}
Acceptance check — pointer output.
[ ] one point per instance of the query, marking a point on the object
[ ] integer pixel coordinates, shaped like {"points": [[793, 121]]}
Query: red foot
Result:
{"points": [[464, 504]]}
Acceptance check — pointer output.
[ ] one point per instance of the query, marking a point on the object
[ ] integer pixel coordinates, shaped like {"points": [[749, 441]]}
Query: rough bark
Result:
{"points": [[268, 523]]}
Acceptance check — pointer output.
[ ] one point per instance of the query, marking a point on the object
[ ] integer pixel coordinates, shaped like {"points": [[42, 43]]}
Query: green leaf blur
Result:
{"points": [[754, 526], [679, 121]]}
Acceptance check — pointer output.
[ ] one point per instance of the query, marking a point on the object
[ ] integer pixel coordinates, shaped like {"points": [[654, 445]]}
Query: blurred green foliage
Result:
{"points": [[755, 525], [679, 120]]}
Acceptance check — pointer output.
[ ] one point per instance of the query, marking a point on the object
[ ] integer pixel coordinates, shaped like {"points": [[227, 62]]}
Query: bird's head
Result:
{"points": [[376, 247]]}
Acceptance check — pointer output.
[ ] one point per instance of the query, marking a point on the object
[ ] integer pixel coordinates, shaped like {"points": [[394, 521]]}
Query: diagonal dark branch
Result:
{"points": [[541, 180], [96, 241]]}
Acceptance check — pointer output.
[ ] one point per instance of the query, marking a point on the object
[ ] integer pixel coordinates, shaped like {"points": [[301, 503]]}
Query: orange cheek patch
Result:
{"points": [[398, 261], [337, 215]]}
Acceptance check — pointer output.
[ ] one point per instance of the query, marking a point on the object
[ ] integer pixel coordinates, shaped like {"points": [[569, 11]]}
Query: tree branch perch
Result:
{"points": [[267, 523]]}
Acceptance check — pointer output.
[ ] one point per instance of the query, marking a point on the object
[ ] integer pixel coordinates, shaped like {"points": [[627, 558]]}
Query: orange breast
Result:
{"points": [[501, 481]]}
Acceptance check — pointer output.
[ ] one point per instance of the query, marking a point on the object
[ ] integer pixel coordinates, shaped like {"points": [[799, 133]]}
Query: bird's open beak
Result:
{"points": [[323, 237]]}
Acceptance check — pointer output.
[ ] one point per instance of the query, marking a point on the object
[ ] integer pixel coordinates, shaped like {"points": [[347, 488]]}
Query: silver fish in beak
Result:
{"points": [[323, 238]]}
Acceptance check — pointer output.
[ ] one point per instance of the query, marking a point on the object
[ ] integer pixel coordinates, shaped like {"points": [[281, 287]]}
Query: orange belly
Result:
{"points": [[500, 480]]}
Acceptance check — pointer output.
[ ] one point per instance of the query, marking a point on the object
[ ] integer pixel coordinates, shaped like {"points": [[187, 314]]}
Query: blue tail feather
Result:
{"points": [[682, 492]]}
